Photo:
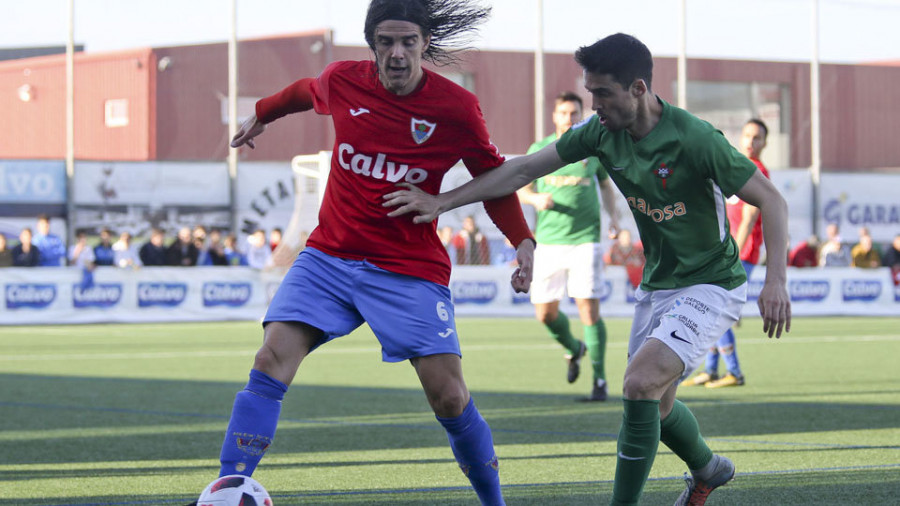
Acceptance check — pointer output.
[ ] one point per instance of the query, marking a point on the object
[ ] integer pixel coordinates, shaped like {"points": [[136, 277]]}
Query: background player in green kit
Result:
{"points": [[675, 171], [570, 258]]}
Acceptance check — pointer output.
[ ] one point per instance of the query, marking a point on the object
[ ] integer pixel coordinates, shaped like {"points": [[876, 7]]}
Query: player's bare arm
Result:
{"points": [[250, 128], [608, 197], [495, 183], [774, 303]]}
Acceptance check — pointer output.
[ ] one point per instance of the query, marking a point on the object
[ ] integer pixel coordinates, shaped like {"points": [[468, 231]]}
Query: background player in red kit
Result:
{"points": [[394, 122], [746, 228]]}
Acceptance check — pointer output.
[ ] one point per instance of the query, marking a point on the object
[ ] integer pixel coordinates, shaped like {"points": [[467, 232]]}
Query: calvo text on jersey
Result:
{"points": [[378, 166]]}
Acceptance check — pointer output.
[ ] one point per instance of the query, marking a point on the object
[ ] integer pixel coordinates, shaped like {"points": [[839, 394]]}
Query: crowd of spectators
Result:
{"points": [[190, 247], [469, 246], [835, 252]]}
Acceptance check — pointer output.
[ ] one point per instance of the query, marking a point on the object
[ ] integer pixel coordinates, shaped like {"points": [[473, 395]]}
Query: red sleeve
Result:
{"points": [[297, 97], [506, 213], [481, 156]]}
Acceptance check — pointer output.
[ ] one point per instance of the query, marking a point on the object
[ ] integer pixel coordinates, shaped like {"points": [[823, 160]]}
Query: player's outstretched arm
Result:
{"points": [[497, 182], [774, 303], [250, 128], [297, 97]]}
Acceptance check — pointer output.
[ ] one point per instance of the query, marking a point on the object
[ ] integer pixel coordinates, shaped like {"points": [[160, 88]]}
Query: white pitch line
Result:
{"points": [[784, 341]]}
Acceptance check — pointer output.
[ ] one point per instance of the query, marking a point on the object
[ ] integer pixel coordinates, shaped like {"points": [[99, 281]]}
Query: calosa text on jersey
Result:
{"points": [[657, 215]]}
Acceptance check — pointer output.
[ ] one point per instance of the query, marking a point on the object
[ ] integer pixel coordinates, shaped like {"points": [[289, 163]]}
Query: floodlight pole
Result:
{"points": [[232, 116], [70, 126], [539, 75], [682, 54], [815, 167]]}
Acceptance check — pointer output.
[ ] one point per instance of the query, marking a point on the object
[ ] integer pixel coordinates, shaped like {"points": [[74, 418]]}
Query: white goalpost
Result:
{"points": [[310, 177]]}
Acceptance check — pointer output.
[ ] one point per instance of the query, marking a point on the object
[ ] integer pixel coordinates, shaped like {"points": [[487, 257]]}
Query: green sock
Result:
{"points": [[559, 329], [681, 433], [637, 444], [595, 339]]}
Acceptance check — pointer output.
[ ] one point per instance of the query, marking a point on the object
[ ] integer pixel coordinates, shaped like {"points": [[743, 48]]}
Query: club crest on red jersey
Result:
{"points": [[664, 173], [421, 130]]}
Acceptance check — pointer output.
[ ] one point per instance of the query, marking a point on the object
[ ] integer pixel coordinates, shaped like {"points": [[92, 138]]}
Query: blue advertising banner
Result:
{"points": [[32, 182]]}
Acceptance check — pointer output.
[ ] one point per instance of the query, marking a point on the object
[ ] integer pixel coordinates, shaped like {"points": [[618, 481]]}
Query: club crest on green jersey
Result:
{"points": [[664, 173], [421, 130]]}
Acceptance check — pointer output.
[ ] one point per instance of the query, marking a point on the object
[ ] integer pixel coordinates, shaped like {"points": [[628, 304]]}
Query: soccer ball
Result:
{"points": [[234, 490]]}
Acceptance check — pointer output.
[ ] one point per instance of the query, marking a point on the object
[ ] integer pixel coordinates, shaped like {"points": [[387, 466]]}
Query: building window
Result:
{"points": [[728, 105], [464, 79], [116, 112], [246, 107]]}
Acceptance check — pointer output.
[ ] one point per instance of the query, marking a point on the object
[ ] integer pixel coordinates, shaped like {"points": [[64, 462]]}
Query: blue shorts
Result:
{"points": [[411, 317]]}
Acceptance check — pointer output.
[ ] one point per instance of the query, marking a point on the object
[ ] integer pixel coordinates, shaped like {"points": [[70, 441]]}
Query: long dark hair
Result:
{"points": [[451, 23]]}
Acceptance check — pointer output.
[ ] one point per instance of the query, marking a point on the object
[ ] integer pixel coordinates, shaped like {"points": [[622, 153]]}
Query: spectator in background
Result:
{"points": [[199, 234], [233, 255], [834, 252], [891, 257], [745, 226], [52, 248], [6, 255], [863, 254], [259, 254], [199, 238], [124, 253], [806, 254], [103, 252], [80, 253], [628, 254], [445, 234], [215, 251], [275, 238], [183, 252], [26, 254], [505, 254], [153, 252], [471, 245]]}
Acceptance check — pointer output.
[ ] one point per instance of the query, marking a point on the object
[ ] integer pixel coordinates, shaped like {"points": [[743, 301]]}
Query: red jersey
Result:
{"points": [[382, 139], [735, 209]]}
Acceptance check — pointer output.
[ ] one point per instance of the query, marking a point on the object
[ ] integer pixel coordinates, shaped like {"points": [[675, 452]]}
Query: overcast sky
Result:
{"points": [[851, 31]]}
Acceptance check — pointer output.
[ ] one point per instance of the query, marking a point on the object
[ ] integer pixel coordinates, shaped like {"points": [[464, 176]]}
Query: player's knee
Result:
{"points": [[266, 359], [545, 317], [727, 350], [449, 402], [636, 386]]}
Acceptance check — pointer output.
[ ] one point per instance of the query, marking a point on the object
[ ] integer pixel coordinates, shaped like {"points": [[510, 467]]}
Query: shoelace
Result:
{"points": [[698, 492]]}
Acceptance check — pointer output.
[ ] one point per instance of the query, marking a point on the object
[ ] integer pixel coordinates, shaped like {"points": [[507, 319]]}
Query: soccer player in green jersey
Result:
{"points": [[675, 171], [570, 258]]}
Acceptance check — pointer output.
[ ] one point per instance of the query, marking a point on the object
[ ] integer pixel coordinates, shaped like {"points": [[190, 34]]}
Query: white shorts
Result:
{"points": [[687, 320], [560, 268]]}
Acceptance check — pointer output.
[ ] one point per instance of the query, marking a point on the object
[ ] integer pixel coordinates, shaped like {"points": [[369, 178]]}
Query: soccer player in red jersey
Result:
{"points": [[394, 122], [746, 228]]}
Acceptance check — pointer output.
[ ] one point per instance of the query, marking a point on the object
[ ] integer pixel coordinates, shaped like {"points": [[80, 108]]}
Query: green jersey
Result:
{"points": [[675, 181], [575, 215]]}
